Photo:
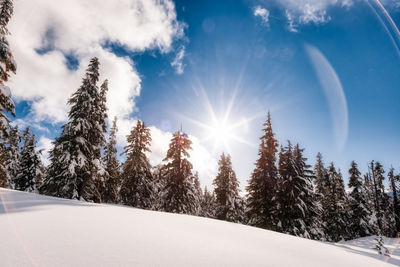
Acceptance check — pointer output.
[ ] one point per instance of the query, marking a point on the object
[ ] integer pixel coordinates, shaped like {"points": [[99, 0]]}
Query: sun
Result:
{"points": [[220, 131]]}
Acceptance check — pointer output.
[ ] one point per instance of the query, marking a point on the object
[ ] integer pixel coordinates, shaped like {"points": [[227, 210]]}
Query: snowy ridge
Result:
{"points": [[45, 231]]}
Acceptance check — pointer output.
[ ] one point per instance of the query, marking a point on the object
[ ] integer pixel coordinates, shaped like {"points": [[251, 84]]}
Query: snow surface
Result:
{"points": [[42, 231]]}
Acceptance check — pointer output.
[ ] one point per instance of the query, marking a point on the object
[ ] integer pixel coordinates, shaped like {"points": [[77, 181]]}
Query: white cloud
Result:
{"points": [[44, 32], [45, 145], [80, 28], [309, 11], [177, 63], [23, 123], [262, 13]]}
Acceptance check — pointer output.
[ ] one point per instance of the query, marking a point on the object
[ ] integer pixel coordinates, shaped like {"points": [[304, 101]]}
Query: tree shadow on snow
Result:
{"points": [[357, 246], [14, 201]]}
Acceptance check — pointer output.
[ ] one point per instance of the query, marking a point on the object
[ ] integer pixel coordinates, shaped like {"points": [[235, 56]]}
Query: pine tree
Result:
{"points": [[113, 175], [76, 168], [380, 245], [208, 204], [12, 154], [262, 184], [99, 173], [29, 164], [393, 180], [179, 193], [336, 214], [7, 66], [370, 199], [383, 203], [198, 193], [296, 210], [228, 202], [158, 185], [137, 179], [321, 182], [4, 181], [320, 173], [358, 204]]}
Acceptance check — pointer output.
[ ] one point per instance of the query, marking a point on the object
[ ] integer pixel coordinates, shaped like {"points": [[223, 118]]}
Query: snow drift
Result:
{"points": [[37, 230]]}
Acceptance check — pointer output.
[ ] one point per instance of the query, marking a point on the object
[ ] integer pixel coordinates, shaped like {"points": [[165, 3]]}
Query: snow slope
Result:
{"points": [[42, 231]]}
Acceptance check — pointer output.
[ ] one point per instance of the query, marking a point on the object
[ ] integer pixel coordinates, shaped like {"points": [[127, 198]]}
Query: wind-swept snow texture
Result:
{"points": [[42, 231]]}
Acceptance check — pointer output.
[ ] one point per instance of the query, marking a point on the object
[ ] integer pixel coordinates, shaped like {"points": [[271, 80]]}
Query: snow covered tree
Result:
{"points": [[137, 179], [321, 182], [336, 214], [228, 203], [158, 185], [296, 209], [76, 168], [4, 181], [262, 183], [179, 193], [383, 203], [358, 204], [30, 168], [7, 66], [380, 245], [320, 174], [12, 153], [198, 193], [393, 181], [208, 204], [112, 167]]}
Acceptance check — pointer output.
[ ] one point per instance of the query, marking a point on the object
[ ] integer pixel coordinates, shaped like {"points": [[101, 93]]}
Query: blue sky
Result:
{"points": [[223, 52]]}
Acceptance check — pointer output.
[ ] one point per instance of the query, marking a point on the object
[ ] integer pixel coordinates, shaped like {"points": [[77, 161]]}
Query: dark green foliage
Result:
{"points": [[296, 211], [393, 181], [76, 170], [208, 204], [112, 167], [229, 205], [179, 193], [7, 66], [137, 187], [383, 203], [30, 167], [262, 184], [336, 215], [359, 209]]}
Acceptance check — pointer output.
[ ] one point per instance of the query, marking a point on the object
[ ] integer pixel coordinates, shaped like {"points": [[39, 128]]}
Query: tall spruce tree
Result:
{"points": [[336, 214], [370, 197], [320, 174], [383, 203], [112, 167], [137, 187], [76, 168], [262, 183], [296, 209], [179, 193], [321, 182], [7, 66], [12, 154], [208, 204], [198, 193], [229, 206], [30, 168], [393, 182], [359, 209]]}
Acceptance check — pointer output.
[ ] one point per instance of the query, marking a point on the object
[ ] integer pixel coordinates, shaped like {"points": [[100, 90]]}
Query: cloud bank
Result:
{"points": [[53, 41]]}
